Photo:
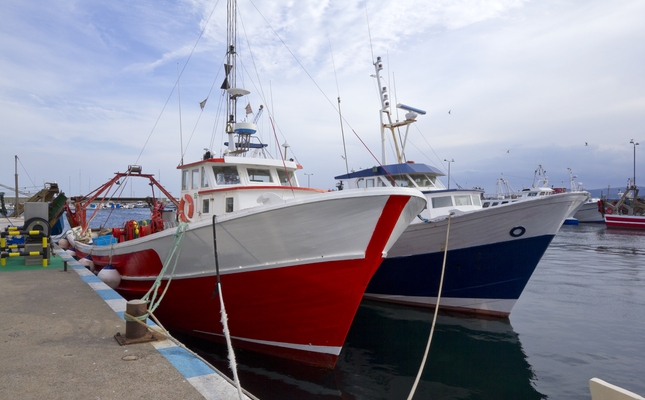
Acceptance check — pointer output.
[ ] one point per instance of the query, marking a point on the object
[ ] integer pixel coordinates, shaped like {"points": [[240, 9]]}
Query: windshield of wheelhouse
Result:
{"points": [[425, 181], [400, 180], [259, 175], [287, 180], [226, 175]]}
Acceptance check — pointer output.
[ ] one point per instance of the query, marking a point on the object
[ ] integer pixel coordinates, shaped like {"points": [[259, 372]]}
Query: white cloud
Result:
{"points": [[84, 82]]}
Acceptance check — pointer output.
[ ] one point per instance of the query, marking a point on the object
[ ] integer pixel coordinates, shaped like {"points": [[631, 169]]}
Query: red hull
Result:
{"points": [[300, 312], [625, 221], [284, 306]]}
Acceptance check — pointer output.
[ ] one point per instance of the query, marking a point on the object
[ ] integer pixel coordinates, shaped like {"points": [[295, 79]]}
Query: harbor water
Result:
{"points": [[582, 315]]}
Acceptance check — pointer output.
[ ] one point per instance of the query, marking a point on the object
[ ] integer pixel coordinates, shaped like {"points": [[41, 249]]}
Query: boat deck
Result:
{"points": [[58, 341]]}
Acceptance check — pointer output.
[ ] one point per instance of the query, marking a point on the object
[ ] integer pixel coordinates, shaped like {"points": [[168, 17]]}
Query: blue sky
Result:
{"points": [[88, 87]]}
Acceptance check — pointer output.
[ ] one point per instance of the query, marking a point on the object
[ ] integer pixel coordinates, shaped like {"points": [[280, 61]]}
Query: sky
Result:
{"points": [[90, 87]]}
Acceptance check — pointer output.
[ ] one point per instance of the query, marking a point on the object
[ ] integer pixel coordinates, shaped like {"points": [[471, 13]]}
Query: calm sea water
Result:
{"points": [[582, 315]]}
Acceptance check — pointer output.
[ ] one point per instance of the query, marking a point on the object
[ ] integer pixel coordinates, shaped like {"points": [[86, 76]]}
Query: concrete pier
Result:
{"points": [[57, 342]]}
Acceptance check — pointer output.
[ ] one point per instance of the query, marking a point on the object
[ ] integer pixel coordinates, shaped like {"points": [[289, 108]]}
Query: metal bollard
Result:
{"points": [[133, 329]]}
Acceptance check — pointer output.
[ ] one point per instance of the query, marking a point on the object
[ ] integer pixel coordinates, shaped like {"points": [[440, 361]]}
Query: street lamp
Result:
{"points": [[308, 178], [449, 161], [635, 144]]}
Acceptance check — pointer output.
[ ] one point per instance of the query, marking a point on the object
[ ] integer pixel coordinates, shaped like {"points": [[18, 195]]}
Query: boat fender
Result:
{"points": [[517, 231], [186, 214], [87, 262], [110, 276]]}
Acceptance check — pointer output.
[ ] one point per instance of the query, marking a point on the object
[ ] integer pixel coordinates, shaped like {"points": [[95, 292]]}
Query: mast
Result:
{"points": [[385, 105], [229, 69], [243, 130], [410, 117]]}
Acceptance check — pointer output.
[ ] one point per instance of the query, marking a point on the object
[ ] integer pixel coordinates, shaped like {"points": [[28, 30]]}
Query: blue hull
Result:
{"points": [[492, 271]]}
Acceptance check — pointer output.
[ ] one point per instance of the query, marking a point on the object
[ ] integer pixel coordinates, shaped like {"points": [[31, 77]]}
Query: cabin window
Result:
{"points": [[403, 181], [495, 203], [204, 178], [205, 206], [259, 175], [463, 200], [360, 183], [381, 183], [476, 200], [531, 194], [369, 182], [443, 201], [422, 180], [195, 179], [229, 204], [286, 180], [184, 179], [226, 175]]}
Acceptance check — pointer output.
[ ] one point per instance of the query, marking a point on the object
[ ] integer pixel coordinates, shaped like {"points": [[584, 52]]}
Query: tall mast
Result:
{"points": [[229, 69], [385, 104], [410, 117]]}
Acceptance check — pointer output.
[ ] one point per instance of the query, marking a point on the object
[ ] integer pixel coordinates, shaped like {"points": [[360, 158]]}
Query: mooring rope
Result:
{"points": [[436, 311], [151, 295], [163, 332], [224, 319]]}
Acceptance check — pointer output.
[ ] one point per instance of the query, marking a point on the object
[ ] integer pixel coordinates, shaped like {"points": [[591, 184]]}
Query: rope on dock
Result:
{"points": [[163, 332], [436, 311]]}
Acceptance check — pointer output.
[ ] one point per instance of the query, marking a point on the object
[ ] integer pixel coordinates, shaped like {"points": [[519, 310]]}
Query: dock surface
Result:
{"points": [[57, 342]]}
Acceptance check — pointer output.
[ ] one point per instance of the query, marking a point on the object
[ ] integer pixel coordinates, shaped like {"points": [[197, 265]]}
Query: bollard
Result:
{"points": [[133, 329]]}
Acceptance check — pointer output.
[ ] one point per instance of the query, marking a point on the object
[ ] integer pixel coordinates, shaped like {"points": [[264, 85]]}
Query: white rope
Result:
{"points": [[224, 319], [229, 345], [436, 311]]}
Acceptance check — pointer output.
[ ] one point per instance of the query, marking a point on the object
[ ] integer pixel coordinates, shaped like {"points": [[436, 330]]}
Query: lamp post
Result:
{"points": [[452, 160], [308, 179], [635, 144]]}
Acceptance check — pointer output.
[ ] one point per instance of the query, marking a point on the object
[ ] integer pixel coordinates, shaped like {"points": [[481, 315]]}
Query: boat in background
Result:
{"points": [[573, 218], [628, 212], [491, 252], [505, 193], [293, 262], [589, 212]]}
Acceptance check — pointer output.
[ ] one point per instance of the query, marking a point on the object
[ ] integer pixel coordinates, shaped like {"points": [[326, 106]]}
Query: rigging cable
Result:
{"points": [[176, 83], [340, 114]]}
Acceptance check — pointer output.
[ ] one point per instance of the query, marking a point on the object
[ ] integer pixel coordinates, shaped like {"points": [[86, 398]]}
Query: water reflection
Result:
{"points": [[469, 358]]}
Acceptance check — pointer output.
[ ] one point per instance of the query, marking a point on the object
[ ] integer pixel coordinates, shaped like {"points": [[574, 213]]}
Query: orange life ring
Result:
{"points": [[185, 215], [608, 210]]}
